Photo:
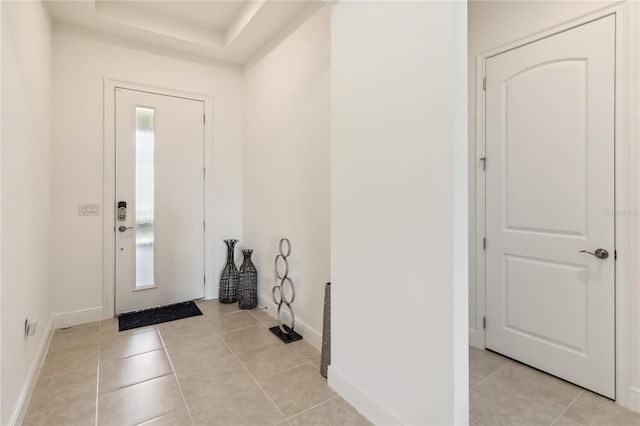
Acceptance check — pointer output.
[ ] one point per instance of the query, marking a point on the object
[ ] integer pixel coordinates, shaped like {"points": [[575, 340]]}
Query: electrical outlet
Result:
{"points": [[88, 209], [30, 326]]}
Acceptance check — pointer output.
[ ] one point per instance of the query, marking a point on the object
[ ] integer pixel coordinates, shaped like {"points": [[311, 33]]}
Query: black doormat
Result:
{"points": [[158, 315]]}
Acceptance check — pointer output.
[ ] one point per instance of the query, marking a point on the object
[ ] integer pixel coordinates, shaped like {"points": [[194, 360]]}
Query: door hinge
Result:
{"points": [[484, 323], [204, 118], [204, 226], [484, 163], [615, 255], [484, 243], [484, 83], [205, 280], [204, 173]]}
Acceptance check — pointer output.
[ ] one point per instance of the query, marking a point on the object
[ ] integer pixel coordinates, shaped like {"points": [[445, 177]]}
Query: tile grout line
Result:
{"points": [[137, 383], [79, 345], [104, 337], [306, 361], [314, 406], [260, 323], [528, 399], [220, 333], [83, 347], [184, 399], [568, 406], [134, 355], [101, 338], [254, 379], [62, 373], [29, 414], [262, 309], [250, 311], [163, 349], [57, 407], [491, 375]]}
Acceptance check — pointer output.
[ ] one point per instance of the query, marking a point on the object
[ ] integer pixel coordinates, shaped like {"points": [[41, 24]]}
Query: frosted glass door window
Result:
{"points": [[145, 189]]}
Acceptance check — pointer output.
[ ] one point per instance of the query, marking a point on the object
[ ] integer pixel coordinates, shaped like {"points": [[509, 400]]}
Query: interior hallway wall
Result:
{"points": [[398, 210], [26, 195], [286, 166], [497, 23], [81, 62]]}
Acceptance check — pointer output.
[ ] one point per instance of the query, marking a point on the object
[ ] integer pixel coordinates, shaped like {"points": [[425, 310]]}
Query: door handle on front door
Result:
{"points": [[123, 228], [599, 253]]}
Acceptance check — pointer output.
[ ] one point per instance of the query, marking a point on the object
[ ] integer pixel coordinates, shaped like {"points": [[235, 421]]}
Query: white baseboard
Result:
{"points": [[361, 402], [32, 377], [634, 398], [476, 339], [310, 334], [83, 316]]}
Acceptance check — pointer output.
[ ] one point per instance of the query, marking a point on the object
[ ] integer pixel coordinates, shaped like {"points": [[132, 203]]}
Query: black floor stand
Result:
{"points": [[292, 336]]}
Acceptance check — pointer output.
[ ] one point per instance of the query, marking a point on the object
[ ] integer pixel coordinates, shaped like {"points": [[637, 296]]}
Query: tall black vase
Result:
{"points": [[248, 284], [228, 292]]}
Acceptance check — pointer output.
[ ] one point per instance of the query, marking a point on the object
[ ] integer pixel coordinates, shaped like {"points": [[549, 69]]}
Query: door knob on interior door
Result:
{"points": [[599, 253], [123, 228]]}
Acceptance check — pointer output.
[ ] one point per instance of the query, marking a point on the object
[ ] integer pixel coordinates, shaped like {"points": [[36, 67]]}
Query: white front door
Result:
{"points": [[159, 200], [550, 195]]}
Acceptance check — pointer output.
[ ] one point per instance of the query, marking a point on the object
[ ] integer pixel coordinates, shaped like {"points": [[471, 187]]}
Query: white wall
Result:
{"points": [[81, 62], [286, 166], [398, 138], [493, 24], [1, 74], [26, 194], [633, 8]]}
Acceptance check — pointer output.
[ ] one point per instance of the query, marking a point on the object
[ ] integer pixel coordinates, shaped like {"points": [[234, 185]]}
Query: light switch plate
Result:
{"points": [[88, 209]]}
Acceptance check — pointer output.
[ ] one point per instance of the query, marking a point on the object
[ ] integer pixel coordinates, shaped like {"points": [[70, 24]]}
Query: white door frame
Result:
{"points": [[626, 141], [109, 178]]}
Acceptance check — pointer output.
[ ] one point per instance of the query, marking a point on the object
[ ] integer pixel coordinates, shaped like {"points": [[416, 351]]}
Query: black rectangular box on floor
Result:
{"points": [[286, 338]]}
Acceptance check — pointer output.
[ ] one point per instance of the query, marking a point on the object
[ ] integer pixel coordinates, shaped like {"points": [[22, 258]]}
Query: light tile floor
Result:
{"points": [[505, 392], [226, 368], [222, 368]]}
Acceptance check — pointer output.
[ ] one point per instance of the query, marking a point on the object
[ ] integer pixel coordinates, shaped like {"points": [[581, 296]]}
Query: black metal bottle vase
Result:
{"points": [[229, 278], [248, 283]]}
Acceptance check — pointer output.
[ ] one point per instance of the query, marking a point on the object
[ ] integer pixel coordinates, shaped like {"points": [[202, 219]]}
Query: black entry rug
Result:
{"points": [[158, 315]]}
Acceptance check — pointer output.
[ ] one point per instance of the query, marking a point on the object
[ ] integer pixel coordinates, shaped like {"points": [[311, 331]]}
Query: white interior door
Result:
{"points": [[160, 178], [549, 195]]}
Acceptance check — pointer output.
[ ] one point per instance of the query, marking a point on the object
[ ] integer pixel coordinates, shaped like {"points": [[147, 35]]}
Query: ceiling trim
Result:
{"points": [[242, 20], [236, 36], [67, 28]]}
